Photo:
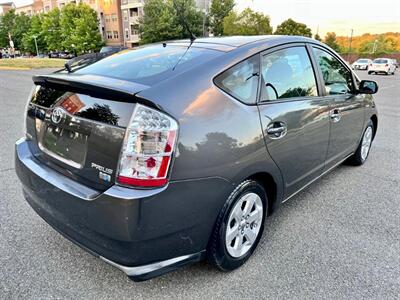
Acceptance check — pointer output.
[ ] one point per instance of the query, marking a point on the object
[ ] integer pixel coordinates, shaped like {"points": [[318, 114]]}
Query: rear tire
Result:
{"points": [[360, 156], [239, 226]]}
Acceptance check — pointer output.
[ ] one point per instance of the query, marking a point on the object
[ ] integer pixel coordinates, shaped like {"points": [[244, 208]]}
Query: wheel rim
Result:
{"points": [[366, 142], [244, 224]]}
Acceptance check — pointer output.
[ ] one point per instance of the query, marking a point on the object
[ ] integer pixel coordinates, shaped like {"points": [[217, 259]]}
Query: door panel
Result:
{"points": [[347, 108], [300, 154], [294, 118]]}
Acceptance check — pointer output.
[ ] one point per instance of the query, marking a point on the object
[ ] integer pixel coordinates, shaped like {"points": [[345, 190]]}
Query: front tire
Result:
{"points": [[239, 226], [362, 152]]}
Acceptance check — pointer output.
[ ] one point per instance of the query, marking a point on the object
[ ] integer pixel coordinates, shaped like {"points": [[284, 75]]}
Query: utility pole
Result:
{"points": [[351, 39]]}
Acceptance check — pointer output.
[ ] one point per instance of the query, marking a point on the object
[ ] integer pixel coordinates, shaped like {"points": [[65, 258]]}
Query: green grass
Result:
{"points": [[31, 63]]}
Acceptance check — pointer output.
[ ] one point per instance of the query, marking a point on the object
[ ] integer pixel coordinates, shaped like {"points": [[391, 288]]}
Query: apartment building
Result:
{"points": [[5, 7], [35, 7], [132, 11]]}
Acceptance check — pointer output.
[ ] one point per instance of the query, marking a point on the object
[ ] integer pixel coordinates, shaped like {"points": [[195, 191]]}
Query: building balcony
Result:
{"points": [[131, 4]]}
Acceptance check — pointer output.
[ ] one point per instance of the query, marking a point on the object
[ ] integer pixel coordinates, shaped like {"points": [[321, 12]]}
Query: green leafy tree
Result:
{"points": [[381, 45], [317, 37], [218, 11], [291, 27], [79, 28], [51, 30], [330, 40], [35, 31], [247, 22], [15, 26], [164, 20]]}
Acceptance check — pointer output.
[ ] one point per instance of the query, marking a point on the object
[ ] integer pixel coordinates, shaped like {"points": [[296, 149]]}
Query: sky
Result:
{"points": [[340, 16]]}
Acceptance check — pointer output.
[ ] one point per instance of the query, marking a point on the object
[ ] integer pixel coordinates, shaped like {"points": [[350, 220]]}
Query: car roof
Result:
{"points": [[228, 43]]}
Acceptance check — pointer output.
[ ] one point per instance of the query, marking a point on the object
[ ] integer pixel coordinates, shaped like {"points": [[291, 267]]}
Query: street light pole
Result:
{"points": [[37, 50]]}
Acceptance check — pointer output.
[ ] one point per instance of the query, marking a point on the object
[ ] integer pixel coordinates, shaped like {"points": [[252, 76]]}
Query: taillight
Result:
{"points": [[147, 149], [387, 65]]}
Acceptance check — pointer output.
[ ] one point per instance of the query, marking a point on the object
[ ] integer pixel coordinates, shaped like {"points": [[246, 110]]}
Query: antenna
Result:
{"points": [[181, 16]]}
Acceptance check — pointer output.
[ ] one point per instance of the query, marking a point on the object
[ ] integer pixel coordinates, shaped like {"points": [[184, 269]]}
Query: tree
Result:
{"points": [[330, 40], [15, 26], [291, 27], [381, 45], [51, 30], [247, 22], [218, 11], [164, 20], [35, 31], [317, 37], [79, 28]]}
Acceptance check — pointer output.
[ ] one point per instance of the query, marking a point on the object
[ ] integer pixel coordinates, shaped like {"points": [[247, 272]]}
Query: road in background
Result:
{"points": [[339, 238]]}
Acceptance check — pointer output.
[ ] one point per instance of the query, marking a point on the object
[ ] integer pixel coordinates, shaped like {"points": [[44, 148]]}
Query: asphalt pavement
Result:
{"points": [[339, 238]]}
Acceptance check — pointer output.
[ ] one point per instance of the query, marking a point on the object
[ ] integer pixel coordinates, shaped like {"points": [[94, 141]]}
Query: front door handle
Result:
{"points": [[335, 115], [277, 130]]}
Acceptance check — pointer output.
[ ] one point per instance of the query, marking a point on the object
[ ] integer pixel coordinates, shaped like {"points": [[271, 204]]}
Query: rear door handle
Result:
{"points": [[335, 115], [277, 130]]}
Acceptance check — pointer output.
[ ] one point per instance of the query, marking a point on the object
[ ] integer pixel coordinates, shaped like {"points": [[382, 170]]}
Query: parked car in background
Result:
{"points": [[54, 54], [396, 63], [361, 64], [66, 55], [177, 152], [382, 65]]}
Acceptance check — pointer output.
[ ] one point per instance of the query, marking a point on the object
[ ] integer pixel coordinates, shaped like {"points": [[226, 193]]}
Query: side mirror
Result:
{"points": [[368, 87]]}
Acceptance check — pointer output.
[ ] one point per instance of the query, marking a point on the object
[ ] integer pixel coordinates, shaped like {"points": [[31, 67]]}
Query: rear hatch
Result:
{"points": [[78, 124]]}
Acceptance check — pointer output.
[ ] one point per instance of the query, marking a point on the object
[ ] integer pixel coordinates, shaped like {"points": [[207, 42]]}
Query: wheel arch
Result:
{"points": [[270, 186]]}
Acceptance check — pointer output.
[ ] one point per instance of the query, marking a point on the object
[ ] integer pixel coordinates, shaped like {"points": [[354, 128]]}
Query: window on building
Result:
{"points": [[125, 15], [134, 12], [126, 33], [114, 17], [108, 18], [46, 8], [115, 34], [134, 29], [109, 35]]}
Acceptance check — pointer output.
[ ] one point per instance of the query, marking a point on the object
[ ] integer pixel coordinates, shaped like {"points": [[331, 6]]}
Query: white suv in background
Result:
{"points": [[382, 65], [361, 64]]}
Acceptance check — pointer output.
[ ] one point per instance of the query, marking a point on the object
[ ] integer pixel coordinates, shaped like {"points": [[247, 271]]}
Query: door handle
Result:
{"points": [[335, 115], [277, 130]]}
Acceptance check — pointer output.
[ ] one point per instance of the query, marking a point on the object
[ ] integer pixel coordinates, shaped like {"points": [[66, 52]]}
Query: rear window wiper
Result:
{"points": [[85, 60]]}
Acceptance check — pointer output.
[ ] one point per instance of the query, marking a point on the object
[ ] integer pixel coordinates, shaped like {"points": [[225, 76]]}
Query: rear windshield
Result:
{"points": [[380, 61], [151, 64], [363, 61]]}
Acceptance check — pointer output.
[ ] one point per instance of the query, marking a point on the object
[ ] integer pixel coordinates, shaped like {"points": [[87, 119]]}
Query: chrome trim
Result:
{"points": [[150, 268], [316, 178]]}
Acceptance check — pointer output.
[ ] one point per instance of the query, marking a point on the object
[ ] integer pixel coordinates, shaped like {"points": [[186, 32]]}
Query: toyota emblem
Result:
{"points": [[57, 115]]}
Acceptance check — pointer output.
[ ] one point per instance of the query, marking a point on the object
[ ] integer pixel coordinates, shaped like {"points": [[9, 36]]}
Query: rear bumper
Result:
{"points": [[142, 232]]}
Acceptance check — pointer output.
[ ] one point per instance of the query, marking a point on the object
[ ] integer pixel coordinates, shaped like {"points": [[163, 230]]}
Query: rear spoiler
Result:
{"points": [[95, 86]]}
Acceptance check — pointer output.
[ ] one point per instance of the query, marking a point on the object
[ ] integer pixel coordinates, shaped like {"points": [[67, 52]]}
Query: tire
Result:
{"points": [[228, 256], [360, 156]]}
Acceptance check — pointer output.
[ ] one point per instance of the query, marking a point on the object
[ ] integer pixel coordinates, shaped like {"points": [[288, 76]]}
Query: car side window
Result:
{"points": [[287, 73], [338, 79], [241, 81]]}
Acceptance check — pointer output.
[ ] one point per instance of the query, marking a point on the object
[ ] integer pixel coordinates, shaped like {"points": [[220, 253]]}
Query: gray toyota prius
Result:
{"points": [[176, 152]]}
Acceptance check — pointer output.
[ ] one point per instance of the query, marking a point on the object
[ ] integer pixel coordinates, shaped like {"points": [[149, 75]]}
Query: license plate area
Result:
{"points": [[66, 141]]}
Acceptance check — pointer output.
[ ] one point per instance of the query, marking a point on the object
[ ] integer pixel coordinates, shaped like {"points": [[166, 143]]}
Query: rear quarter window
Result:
{"points": [[241, 80]]}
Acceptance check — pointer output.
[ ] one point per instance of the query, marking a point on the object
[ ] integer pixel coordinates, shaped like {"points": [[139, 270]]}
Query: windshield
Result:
{"points": [[380, 61], [149, 65]]}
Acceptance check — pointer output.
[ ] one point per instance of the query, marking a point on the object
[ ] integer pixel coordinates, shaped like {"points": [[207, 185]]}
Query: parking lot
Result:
{"points": [[339, 238]]}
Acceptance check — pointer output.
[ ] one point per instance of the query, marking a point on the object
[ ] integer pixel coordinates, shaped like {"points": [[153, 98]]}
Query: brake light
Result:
{"points": [[147, 149], [387, 65]]}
